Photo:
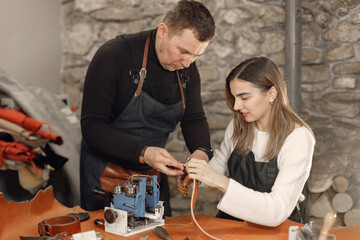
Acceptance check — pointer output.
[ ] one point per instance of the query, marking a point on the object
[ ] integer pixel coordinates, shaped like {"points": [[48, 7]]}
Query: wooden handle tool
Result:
{"points": [[162, 233], [329, 220]]}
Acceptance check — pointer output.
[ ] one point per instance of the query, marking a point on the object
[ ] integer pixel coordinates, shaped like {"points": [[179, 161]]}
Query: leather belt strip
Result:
{"points": [[181, 89], [52, 226], [204, 235]]}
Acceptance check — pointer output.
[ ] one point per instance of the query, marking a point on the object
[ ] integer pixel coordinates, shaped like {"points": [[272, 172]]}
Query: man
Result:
{"points": [[137, 89]]}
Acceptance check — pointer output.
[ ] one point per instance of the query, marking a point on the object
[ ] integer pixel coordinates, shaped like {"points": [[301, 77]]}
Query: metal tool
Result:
{"points": [[57, 236], [162, 233], [89, 235], [310, 231], [134, 206], [295, 233]]}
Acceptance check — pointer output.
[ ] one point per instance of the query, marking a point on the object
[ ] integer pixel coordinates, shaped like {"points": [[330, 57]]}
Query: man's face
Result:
{"points": [[177, 51]]}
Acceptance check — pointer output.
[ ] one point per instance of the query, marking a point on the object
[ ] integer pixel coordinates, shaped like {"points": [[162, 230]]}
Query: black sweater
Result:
{"points": [[108, 89]]}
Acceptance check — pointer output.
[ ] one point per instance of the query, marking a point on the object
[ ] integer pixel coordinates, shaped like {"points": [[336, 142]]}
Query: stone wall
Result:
{"points": [[330, 90], [330, 71]]}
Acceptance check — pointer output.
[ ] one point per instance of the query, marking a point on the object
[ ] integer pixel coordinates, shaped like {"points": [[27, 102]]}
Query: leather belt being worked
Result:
{"points": [[199, 230], [55, 225]]}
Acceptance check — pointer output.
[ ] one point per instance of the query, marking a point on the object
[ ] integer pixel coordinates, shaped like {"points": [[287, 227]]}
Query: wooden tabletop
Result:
{"points": [[21, 219]]}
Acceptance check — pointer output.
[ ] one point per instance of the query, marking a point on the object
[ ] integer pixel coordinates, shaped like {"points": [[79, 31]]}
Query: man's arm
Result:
{"points": [[105, 95], [194, 125]]}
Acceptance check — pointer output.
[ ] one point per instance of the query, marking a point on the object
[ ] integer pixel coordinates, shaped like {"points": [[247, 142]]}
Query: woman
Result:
{"points": [[265, 159]]}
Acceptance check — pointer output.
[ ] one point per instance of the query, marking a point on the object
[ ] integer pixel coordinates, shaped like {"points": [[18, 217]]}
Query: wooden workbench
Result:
{"points": [[21, 219]]}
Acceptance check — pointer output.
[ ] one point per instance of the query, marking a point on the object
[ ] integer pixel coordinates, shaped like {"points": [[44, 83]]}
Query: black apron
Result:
{"points": [[144, 119], [259, 176]]}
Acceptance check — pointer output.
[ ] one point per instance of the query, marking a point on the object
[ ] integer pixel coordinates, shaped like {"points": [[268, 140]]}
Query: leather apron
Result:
{"points": [[259, 176], [144, 119]]}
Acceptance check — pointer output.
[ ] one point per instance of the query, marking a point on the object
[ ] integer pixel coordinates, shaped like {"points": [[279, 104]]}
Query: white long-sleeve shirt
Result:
{"points": [[294, 163]]}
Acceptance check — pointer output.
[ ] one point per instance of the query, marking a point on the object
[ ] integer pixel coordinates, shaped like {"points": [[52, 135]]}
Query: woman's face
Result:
{"points": [[253, 104]]}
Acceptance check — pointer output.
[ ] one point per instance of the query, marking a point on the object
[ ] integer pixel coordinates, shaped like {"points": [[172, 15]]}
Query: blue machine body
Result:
{"points": [[146, 195], [152, 198]]}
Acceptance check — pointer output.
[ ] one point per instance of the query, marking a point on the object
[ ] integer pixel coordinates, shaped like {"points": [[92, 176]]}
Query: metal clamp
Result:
{"points": [[143, 70]]}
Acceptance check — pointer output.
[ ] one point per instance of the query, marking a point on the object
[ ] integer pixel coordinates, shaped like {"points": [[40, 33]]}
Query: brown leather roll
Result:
{"points": [[52, 226], [115, 174]]}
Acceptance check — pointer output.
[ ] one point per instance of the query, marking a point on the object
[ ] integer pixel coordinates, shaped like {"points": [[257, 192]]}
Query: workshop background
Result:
{"points": [[330, 91]]}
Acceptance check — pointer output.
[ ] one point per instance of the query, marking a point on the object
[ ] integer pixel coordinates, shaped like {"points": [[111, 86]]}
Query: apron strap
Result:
{"points": [[181, 89], [142, 72]]}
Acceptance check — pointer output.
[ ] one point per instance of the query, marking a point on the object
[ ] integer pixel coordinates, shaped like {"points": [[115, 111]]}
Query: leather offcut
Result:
{"points": [[115, 174]]}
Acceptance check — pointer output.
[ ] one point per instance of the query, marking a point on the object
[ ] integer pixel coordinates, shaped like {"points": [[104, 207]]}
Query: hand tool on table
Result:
{"points": [[162, 233], [310, 231], [89, 235], [56, 237], [329, 220]]}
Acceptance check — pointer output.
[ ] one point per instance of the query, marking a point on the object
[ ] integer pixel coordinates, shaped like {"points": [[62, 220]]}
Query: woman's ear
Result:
{"points": [[272, 92]]}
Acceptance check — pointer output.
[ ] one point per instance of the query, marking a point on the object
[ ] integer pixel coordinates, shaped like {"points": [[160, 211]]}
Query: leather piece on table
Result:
{"points": [[115, 174], [21, 219], [56, 225]]}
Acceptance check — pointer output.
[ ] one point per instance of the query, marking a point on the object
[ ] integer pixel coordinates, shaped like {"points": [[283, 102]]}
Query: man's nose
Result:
{"points": [[187, 60]]}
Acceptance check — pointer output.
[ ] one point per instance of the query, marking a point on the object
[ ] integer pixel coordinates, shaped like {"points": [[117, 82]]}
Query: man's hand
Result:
{"points": [[182, 182], [161, 160]]}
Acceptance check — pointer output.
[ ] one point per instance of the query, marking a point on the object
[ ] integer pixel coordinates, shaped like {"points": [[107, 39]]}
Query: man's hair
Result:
{"points": [[193, 15]]}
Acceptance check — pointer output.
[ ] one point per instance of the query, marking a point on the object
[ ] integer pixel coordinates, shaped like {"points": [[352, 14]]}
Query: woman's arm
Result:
{"points": [[271, 209]]}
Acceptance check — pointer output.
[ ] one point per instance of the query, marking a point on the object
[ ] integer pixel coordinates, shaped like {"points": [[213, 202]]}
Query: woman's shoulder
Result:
{"points": [[301, 130], [301, 134]]}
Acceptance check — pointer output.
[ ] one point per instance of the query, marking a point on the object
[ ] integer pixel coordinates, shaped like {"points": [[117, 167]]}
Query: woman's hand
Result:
{"points": [[201, 171]]}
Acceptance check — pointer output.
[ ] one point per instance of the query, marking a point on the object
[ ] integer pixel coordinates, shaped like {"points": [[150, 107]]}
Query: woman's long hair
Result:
{"points": [[264, 74]]}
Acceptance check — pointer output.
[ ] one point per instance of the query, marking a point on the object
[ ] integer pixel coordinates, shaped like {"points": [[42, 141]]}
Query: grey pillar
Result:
{"points": [[293, 52]]}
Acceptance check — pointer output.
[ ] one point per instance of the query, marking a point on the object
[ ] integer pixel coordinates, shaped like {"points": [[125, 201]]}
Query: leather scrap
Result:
{"points": [[33, 125], [21, 135], [114, 174], [21, 119], [17, 152]]}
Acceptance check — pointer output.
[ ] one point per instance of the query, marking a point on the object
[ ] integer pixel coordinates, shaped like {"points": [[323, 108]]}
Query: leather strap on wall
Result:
{"points": [[52, 226], [143, 68], [201, 232]]}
